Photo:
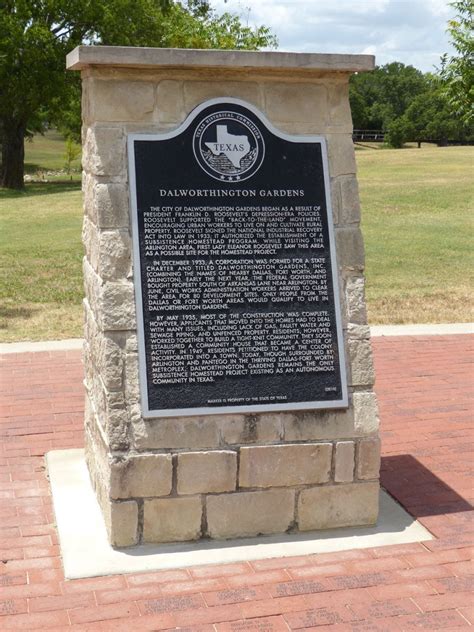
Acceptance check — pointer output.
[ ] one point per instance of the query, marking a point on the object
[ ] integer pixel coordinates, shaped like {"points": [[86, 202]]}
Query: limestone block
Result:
{"points": [[297, 103], [84, 130], [114, 254], [132, 387], [117, 427], [121, 100], [110, 205], [242, 429], [104, 353], [149, 128], [85, 108], [339, 107], [92, 289], [362, 368], [117, 418], [96, 392], [90, 323], [169, 104], [88, 182], [122, 523], [365, 413], [109, 361], [350, 248], [250, 513], [344, 464], [285, 465], [350, 205], [319, 425], [341, 155], [88, 364], [195, 92], [355, 300], [90, 241], [172, 519], [336, 203], [118, 306], [98, 469], [190, 433], [141, 476], [131, 344], [96, 451], [207, 472], [89, 413], [98, 464], [358, 332], [88, 359], [115, 400], [115, 412], [338, 506], [368, 462], [104, 151]]}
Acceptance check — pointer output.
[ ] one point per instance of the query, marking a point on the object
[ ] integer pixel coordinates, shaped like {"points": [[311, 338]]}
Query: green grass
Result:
{"points": [[45, 155], [416, 205], [417, 223], [40, 247], [40, 272]]}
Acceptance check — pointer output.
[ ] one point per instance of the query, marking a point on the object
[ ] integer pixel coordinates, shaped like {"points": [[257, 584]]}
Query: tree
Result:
{"points": [[36, 35], [458, 70], [381, 96], [431, 117], [398, 132], [73, 151]]}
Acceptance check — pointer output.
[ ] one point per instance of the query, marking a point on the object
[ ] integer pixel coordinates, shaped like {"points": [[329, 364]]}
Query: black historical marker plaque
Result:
{"points": [[234, 262]]}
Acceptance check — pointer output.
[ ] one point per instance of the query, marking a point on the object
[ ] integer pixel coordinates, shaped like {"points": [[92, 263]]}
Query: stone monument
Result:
{"points": [[228, 368]]}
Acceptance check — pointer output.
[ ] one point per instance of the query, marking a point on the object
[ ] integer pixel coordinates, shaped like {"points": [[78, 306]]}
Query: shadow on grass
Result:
{"points": [[41, 188], [31, 168], [10, 313], [359, 145], [418, 489]]}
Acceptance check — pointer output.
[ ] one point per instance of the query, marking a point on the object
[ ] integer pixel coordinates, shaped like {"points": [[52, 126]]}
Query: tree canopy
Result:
{"points": [[458, 70], [37, 92], [380, 96], [407, 105], [36, 35]]}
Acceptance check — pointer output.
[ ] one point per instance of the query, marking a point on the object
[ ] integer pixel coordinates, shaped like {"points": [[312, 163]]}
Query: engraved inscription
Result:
{"points": [[190, 348], [238, 293]]}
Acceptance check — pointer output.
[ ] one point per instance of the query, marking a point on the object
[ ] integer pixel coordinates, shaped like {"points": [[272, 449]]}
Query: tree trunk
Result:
{"points": [[13, 154]]}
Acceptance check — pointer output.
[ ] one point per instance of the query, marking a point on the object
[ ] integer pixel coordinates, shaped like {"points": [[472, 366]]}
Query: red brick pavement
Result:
{"points": [[424, 386]]}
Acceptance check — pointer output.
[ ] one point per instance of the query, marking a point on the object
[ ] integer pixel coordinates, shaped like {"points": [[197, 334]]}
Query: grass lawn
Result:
{"points": [[416, 221], [40, 262], [47, 154]]}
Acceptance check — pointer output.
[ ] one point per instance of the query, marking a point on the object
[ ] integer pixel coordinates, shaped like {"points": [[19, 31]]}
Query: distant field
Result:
{"points": [[40, 262], [46, 154], [417, 209]]}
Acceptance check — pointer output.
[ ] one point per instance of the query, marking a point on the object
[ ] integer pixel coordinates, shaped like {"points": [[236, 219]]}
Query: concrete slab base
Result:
{"points": [[87, 553], [427, 329], [70, 344]]}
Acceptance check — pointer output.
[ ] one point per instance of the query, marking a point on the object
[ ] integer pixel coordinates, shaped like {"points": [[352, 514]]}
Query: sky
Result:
{"points": [[410, 31]]}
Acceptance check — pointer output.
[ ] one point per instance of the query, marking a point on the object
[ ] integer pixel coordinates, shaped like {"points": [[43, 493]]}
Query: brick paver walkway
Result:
{"points": [[424, 386]]}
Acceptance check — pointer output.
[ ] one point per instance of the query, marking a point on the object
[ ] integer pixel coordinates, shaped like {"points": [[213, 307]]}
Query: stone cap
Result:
{"points": [[148, 58]]}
